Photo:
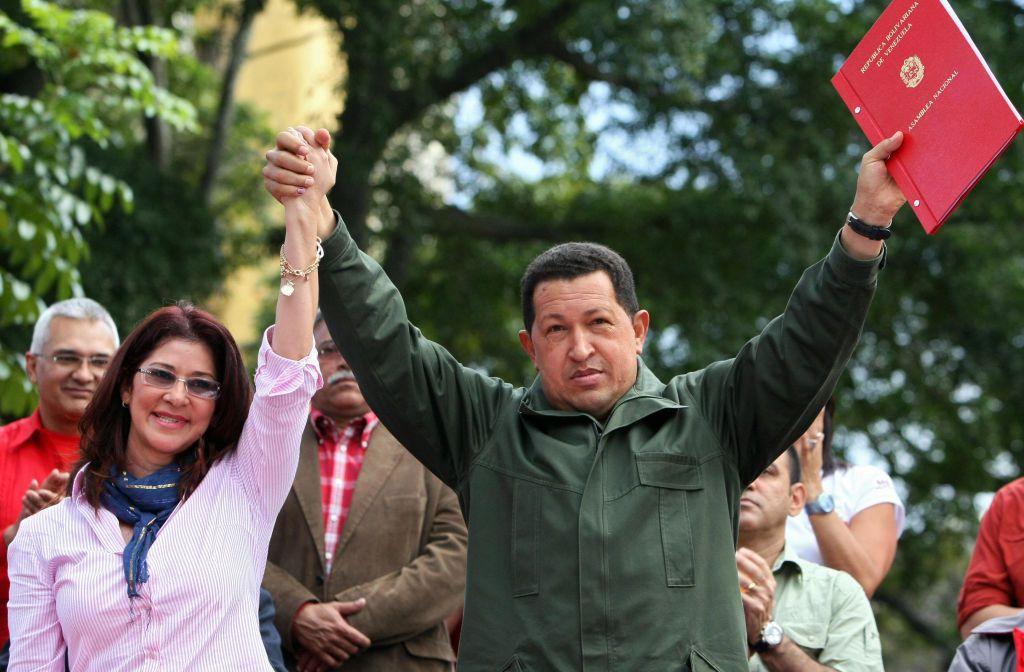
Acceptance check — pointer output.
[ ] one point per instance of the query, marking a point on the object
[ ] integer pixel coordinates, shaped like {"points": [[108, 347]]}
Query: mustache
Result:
{"points": [[341, 376]]}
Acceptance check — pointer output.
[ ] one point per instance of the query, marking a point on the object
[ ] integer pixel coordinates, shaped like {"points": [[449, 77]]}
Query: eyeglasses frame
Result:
{"points": [[145, 371]]}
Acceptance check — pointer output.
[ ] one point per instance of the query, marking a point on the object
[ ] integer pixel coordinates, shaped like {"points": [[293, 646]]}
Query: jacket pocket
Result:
{"points": [[431, 644], [700, 663], [677, 477], [808, 636], [513, 665], [526, 498]]}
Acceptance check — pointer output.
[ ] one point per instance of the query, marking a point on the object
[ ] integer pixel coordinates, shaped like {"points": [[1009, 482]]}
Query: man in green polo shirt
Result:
{"points": [[800, 616], [601, 502]]}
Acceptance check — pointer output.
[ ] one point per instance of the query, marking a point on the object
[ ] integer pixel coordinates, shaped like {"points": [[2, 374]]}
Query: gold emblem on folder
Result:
{"points": [[912, 72]]}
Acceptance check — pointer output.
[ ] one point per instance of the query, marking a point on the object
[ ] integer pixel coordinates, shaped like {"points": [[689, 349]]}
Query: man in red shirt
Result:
{"points": [[72, 345], [994, 585]]}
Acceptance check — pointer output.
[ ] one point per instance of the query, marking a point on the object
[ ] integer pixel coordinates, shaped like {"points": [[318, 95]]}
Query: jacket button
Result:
{"points": [[319, 579]]}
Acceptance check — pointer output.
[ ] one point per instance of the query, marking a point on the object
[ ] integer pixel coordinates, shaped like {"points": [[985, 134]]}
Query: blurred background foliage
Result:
{"points": [[701, 139]]}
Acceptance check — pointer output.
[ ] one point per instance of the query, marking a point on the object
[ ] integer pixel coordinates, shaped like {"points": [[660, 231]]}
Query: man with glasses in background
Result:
{"points": [[368, 554], [72, 345]]}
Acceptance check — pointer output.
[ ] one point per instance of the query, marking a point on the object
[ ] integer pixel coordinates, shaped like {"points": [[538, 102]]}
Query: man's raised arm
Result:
{"points": [[760, 401], [438, 409]]}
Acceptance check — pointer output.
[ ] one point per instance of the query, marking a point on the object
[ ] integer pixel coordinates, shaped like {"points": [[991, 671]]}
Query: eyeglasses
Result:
{"points": [[327, 349], [72, 361], [204, 388]]}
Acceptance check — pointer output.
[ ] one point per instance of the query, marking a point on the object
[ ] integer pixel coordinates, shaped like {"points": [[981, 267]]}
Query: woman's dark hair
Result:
{"points": [[106, 422], [572, 260]]}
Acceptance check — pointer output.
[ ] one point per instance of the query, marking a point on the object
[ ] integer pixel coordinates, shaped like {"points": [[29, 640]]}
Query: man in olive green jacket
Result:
{"points": [[601, 501]]}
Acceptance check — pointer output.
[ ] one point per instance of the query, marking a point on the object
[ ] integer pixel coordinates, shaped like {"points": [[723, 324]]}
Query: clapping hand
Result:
{"points": [[757, 589], [38, 497]]}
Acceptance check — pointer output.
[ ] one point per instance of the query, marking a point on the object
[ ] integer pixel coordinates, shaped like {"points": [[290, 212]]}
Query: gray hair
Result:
{"points": [[75, 309]]}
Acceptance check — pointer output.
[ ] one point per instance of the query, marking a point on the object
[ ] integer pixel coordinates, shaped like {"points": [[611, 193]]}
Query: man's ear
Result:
{"points": [[797, 498], [641, 324], [527, 343], [31, 362]]}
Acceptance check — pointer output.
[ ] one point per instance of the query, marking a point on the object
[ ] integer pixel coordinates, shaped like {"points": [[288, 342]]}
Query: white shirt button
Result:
{"points": [[329, 555], [338, 481], [334, 518]]}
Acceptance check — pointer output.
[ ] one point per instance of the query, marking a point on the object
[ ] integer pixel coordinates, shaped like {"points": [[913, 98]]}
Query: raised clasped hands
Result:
{"points": [[301, 170]]}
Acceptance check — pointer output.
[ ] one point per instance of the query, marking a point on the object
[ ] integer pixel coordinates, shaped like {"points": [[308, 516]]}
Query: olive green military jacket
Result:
{"points": [[599, 547]]}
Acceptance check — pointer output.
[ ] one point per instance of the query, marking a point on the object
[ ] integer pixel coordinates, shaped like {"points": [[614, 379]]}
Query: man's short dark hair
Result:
{"points": [[794, 465], [572, 260]]}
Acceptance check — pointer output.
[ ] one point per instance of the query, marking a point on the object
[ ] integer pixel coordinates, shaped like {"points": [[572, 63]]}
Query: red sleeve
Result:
{"points": [[988, 578]]}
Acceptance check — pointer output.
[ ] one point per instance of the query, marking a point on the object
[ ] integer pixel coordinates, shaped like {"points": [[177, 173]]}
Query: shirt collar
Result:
{"points": [[26, 429], [643, 398], [78, 484], [326, 429], [788, 558]]}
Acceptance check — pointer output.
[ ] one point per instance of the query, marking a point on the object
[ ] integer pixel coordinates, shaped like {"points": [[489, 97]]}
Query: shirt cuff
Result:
{"points": [[857, 272], [278, 376]]}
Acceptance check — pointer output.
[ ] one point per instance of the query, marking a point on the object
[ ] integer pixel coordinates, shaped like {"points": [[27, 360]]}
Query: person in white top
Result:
{"points": [[853, 518]]}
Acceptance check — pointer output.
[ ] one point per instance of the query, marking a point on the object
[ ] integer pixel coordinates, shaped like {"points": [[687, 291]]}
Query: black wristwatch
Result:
{"points": [[771, 636], [867, 230]]}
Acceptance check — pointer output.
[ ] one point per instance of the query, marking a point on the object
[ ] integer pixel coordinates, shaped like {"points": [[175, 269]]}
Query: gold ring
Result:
{"points": [[750, 586]]}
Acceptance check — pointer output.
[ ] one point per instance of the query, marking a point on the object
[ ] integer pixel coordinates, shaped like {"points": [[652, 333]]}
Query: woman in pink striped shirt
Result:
{"points": [[154, 560]]}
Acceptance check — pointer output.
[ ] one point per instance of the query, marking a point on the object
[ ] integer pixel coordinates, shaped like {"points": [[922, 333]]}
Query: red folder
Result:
{"points": [[918, 71]]}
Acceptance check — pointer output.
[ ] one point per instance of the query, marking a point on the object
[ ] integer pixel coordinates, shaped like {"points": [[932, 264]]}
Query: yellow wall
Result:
{"points": [[293, 73]]}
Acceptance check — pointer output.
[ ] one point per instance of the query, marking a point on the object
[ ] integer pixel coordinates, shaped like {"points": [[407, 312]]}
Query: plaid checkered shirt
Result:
{"points": [[341, 453]]}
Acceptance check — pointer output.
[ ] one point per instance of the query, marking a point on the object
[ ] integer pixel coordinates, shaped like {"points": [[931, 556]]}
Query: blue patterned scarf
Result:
{"points": [[144, 503]]}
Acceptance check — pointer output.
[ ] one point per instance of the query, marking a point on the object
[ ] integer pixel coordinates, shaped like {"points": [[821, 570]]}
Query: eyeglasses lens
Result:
{"points": [[71, 361], [197, 387]]}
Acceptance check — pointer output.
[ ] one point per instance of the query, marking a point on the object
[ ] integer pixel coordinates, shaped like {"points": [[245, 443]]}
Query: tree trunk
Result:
{"points": [[158, 134], [226, 104]]}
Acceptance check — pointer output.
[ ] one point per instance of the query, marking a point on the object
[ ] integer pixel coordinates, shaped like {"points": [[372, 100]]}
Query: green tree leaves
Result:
{"points": [[87, 82]]}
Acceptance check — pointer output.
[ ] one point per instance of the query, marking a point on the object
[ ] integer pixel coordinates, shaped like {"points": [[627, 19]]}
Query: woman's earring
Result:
{"points": [[124, 403]]}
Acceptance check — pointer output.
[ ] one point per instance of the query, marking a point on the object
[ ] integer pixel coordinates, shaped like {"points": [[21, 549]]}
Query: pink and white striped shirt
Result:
{"points": [[198, 610]]}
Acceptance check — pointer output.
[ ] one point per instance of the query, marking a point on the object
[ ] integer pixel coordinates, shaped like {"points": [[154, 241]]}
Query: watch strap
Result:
{"points": [[870, 231], [816, 507], [762, 645]]}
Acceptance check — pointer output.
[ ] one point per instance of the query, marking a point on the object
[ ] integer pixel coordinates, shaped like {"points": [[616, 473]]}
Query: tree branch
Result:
{"points": [[592, 71], [226, 104], [452, 221], [158, 134], [928, 632], [500, 53]]}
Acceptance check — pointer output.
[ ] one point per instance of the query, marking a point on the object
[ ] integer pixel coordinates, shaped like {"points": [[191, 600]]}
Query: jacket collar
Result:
{"points": [[644, 398], [307, 488]]}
